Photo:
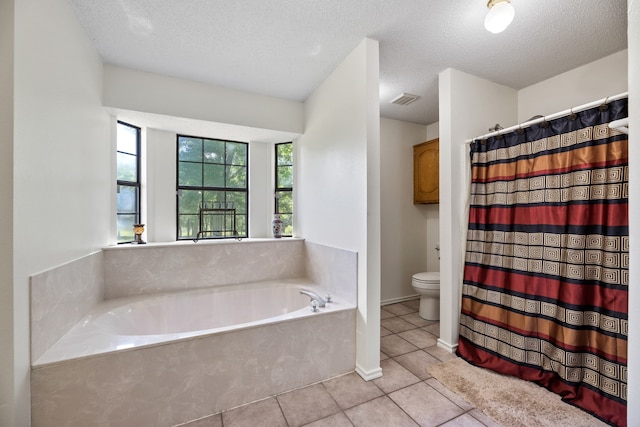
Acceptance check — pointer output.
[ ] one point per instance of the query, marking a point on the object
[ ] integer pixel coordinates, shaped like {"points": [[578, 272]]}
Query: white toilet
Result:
{"points": [[427, 285]]}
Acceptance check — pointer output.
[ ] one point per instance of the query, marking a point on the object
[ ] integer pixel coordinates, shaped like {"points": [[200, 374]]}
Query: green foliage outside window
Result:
{"points": [[284, 186], [214, 172]]}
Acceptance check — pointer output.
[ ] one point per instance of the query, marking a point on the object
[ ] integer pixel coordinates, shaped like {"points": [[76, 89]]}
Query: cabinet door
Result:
{"points": [[426, 184]]}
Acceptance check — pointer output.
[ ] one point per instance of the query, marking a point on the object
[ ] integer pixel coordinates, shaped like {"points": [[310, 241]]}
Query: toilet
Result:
{"points": [[427, 285]]}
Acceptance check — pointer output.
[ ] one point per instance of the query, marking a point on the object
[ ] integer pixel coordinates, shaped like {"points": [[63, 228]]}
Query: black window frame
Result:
{"points": [[203, 189], [131, 184], [288, 220]]}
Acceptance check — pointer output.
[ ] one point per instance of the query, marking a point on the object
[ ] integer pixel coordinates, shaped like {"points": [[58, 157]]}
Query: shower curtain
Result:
{"points": [[545, 283]]}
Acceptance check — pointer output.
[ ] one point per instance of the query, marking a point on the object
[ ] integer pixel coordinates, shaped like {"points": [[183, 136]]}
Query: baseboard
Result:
{"points": [[400, 299], [451, 348], [368, 375]]}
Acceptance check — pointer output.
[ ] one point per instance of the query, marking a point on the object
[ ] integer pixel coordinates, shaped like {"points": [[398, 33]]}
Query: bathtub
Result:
{"points": [[162, 334], [134, 322]]}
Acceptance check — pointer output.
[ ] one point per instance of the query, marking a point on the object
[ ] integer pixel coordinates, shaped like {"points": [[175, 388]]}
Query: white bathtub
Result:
{"points": [[133, 322]]}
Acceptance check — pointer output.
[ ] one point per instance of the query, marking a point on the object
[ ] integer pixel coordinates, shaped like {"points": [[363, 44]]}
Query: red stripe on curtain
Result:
{"points": [[577, 214], [547, 287]]}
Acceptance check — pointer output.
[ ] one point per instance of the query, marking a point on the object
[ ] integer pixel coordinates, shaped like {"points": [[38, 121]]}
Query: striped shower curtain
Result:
{"points": [[547, 258]]}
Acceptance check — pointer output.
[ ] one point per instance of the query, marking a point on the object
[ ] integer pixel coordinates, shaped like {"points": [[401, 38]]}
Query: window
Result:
{"points": [[212, 184], [284, 186], [128, 180]]}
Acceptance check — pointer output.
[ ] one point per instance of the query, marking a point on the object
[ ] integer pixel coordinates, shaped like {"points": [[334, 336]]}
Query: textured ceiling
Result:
{"points": [[286, 48]]}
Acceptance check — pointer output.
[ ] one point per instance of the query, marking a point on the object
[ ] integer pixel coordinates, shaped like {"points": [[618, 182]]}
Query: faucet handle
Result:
{"points": [[314, 305], [328, 297]]}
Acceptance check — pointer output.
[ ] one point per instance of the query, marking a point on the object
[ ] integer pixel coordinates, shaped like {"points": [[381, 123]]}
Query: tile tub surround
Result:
{"points": [[134, 270], [332, 269], [174, 381], [185, 380], [60, 297]]}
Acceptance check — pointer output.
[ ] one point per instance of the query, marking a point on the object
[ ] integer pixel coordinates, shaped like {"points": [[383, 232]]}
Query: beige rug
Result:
{"points": [[508, 400]]}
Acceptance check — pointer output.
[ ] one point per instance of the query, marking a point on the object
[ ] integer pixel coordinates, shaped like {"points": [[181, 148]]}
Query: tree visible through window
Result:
{"points": [[128, 180], [212, 173], [284, 186]]}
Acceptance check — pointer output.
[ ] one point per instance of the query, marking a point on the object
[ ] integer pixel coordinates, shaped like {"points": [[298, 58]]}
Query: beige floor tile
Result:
{"points": [[396, 324], [265, 413], [434, 329], [413, 304], [417, 363], [425, 405], [307, 405], [439, 353], [381, 412], [351, 390], [398, 309], [415, 319], [335, 420], [210, 421], [384, 331], [449, 394], [383, 356], [483, 418], [394, 376], [419, 337], [393, 345], [384, 314], [464, 420]]}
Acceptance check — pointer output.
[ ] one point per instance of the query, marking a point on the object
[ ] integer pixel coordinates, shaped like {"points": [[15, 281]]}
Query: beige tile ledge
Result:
{"points": [[203, 242]]}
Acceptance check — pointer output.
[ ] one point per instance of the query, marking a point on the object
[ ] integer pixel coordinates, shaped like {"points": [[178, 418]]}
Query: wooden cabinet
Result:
{"points": [[426, 183]]}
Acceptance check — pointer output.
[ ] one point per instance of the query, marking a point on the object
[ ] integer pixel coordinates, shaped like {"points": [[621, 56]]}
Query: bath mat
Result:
{"points": [[508, 400]]}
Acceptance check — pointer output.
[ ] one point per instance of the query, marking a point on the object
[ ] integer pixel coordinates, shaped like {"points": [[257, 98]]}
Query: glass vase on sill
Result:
{"points": [[276, 226]]}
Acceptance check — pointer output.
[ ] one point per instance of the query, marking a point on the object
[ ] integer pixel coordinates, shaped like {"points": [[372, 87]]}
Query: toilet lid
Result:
{"points": [[427, 277]]}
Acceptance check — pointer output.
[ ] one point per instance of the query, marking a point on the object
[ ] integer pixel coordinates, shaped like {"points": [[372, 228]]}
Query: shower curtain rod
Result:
{"points": [[551, 116]]}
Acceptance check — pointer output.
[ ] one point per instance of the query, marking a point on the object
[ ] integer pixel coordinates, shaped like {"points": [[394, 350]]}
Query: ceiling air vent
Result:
{"points": [[404, 99]]}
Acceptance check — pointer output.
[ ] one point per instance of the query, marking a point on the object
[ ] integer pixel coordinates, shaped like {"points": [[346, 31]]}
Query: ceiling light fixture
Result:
{"points": [[500, 15]]}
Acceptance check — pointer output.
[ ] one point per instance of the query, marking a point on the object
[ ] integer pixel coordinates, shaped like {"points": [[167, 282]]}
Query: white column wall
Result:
{"points": [[7, 381], [62, 173], [261, 186], [161, 185], [469, 105], [336, 182], [404, 231], [633, 36]]}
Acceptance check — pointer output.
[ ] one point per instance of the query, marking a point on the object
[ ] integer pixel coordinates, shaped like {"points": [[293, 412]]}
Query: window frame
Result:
{"points": [[132, 184], [203, 189], [282, 189]]}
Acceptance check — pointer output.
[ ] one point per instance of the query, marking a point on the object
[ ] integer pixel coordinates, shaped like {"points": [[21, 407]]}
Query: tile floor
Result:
{"points": [[406, 395]]}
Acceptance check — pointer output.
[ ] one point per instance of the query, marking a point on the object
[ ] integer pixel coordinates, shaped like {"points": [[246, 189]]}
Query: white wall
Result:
{"points": [[633, 36], [161, 186], [62, 179], [598, 79], [130, 89], [469, 105], [336, 182], [7, 395], [261, 186], [404, 232]]}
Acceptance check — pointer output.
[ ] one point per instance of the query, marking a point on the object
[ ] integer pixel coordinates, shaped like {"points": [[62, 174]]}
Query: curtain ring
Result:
{"points": [[544, 124], [573, 115], [604, 106], [520, 131]]}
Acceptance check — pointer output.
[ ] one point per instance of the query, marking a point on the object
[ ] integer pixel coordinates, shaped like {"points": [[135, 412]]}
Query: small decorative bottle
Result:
{"points": [[276, 225]]}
